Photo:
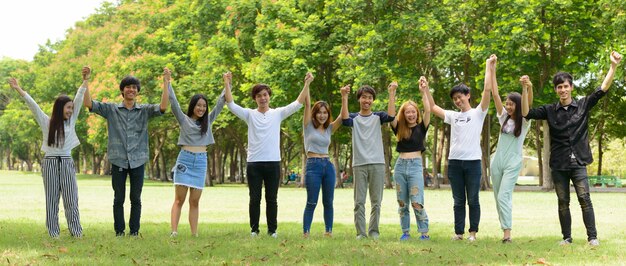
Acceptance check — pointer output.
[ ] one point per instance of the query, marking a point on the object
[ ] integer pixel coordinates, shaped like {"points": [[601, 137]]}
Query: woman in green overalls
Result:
{"points": [[507, 161]]}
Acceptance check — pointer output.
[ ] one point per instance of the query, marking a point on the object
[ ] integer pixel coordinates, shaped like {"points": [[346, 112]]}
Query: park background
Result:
{"points": [[341, 42]]}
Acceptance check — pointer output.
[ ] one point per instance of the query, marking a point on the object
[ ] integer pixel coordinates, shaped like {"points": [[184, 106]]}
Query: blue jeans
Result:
{"points": [[581, 185], [118, 181], [465, 182], [319, 172], [409, 177]]}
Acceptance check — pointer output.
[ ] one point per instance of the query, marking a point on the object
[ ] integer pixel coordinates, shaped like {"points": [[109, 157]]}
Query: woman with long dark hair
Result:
{"points": [[191, 164], [507, 161], [57, 167], [320, 171], [410, 129]]}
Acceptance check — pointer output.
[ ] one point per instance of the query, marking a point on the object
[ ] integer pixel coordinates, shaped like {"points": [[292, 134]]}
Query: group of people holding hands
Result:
{"points": [[127, 124]]}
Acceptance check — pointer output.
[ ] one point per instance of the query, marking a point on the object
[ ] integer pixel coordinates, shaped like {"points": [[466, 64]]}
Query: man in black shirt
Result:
{"points": [[570, 153]]}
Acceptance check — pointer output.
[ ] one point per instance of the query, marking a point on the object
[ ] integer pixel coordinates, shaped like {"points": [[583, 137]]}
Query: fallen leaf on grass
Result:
{"points": [[429, 250], [542, 261], [63, 249], [134, 261], [200, 252], [50, 256]]}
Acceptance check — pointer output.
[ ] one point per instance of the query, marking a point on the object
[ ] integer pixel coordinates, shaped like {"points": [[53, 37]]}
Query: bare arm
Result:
{"points": [[491, 68], [484, 102], [345, 90], [336, 124], [434, 108], [527, 94], [307, 100], [608, 80], [423, 86], [305, 89], [228, 95], [391, 105]]}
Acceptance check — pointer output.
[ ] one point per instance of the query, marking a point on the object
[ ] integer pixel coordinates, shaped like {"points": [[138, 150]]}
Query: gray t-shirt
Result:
{"points": [[316, 141], [189, 128], [367, 138]]}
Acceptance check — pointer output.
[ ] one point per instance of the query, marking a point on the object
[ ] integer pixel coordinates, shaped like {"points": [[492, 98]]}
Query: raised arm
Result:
{"points": [[165, 95], [80, 94], [307, 101], [228, 95], [87, 97], [391, 105], [434, 108], [484, 102], [616, 58], [167, 85], [423, 86], [305, 90], [345, 90], [14, 85], [40, 116], [492, 81], [527, 94]]}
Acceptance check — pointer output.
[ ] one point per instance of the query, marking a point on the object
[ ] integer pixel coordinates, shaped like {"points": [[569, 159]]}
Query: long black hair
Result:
{"points": [[204, 120], [517, 114], [56, 129]]}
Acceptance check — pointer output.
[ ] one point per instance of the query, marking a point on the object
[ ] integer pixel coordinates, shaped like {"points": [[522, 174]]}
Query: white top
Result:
{"points": [[264, 130], [509, 128], [71, 140], [465, 133]]}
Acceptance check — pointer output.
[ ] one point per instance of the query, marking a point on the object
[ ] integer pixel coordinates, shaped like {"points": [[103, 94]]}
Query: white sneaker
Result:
{"points": [[274, 235], [174, 234], [471, 238], [594, 242], [566, 242], [254, 234], [457, 237], [360, 237]]}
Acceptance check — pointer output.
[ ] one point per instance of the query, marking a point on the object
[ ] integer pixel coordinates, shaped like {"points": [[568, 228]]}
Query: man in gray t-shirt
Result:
{"points": [[368, 158], [127, 150]]}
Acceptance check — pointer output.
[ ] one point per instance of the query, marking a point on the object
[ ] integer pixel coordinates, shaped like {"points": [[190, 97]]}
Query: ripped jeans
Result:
{"points": [[409, 177]]}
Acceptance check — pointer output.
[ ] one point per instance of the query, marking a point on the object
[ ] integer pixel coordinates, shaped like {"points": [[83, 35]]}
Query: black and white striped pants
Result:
{"points": [[59, 179]]}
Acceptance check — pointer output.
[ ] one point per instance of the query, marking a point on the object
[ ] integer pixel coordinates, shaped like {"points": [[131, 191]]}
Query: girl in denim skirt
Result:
{"points": [[320, 172], [191, 165], [410, 129]]}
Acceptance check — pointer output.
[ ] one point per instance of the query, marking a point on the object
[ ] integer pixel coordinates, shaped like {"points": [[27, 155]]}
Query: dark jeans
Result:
{"points": [[259, 173], [578, 176], [465, 182], [118, 182]]}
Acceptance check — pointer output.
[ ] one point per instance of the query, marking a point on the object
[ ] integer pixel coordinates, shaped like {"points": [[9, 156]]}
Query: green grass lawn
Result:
{"points": [[224, 232]]}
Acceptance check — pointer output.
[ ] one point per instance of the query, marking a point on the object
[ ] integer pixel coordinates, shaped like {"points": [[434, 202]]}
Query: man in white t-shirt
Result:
{"points": [[464, 160]]}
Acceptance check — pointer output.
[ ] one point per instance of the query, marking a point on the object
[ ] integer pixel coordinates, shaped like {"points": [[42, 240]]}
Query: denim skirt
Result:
{"points": [[190, 169]]}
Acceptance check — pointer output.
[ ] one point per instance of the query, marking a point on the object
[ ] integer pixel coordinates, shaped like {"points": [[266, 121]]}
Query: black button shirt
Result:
{"points": [[568, 129]]}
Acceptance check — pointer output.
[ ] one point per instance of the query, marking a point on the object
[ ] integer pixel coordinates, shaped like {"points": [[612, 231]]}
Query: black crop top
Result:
{"points": [[415, 142]]}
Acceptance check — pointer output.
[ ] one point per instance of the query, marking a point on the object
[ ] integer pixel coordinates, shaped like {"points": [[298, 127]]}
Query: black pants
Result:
{"points": [[118, 182], [259, 173], [578, 177]]}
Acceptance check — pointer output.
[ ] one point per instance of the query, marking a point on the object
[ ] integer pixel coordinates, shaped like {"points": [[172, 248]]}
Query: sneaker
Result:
{"points": [[507, 240], [134, 234], [594, 242], [405, 236], [375, 236], [457, 237], [254, 234], [361, 237], [174, 234], [566, 241], [120, 234], [274, 235], [328, 234], [305, 235], [425, 237], [471, 238]]}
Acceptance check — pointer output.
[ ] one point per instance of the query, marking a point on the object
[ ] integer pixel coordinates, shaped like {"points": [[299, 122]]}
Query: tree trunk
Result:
{"points": [[164, 166], [433, 156], [547, 176], [446, 180], [539, 145], [8, 154], [486, 152], [242, 163], [335, 148]]}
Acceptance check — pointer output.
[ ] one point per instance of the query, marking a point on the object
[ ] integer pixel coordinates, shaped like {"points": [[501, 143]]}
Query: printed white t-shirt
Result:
{"points": [[465, 133]]}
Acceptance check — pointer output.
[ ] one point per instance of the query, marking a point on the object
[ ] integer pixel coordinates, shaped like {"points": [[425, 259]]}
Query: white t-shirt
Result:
{"points": [[264, 130], [465, 133]]}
